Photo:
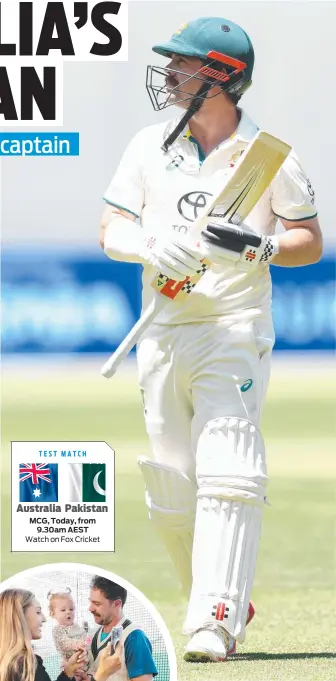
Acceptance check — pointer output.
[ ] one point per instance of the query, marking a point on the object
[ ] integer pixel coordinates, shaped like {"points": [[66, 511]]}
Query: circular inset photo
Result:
{"points": [[71, 621]]}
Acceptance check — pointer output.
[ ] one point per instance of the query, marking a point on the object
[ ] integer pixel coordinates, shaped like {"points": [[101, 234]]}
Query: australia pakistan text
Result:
{"points": [[54, 508]]}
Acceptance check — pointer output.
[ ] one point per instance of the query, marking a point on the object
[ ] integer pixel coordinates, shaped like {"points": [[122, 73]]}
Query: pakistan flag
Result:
{"points": [[85, 482]]}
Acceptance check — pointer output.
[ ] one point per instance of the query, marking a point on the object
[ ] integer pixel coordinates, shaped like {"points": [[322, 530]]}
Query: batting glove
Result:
{"points": [[226, 243], [176, 258]]}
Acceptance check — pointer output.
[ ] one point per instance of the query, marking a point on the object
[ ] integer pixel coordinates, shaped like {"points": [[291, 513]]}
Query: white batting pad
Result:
{"points": [[231, 474], [171, 502]]}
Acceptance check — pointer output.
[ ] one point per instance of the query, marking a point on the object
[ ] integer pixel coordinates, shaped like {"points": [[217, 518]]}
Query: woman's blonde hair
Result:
{"points": [[17, 660]]}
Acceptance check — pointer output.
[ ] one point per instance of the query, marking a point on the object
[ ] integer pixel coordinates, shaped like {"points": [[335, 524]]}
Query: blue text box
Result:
{"points": [[39, 144]]}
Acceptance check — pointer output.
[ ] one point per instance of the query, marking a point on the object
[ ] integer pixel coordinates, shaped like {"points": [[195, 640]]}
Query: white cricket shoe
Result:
{"points": [[207, 645], [213, 644]]}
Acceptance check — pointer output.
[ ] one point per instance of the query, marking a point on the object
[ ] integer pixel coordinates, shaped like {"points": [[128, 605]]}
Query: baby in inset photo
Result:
{"points": [[68, 635]]}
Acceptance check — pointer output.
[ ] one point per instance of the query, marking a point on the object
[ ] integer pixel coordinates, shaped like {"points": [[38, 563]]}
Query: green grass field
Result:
{"points": [[292, 635]]}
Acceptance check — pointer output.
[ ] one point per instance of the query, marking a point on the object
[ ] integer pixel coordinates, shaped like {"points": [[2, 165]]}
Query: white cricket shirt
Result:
{"points": [[168, 191]]}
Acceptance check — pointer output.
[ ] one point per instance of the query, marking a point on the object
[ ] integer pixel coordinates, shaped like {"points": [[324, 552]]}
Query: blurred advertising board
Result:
{"points": [[58, 302], [304, 306]]}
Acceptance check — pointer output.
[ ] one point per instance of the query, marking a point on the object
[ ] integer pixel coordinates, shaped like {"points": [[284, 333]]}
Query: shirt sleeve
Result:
{"points": [[126, 189], [292, 195], [138, 655]]}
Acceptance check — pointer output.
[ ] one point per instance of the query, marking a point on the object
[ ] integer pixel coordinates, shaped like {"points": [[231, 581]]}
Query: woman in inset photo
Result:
{"points": [[21, 622]]}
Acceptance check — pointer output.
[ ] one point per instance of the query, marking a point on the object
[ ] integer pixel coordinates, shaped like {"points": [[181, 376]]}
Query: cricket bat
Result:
{"points": [[241, 190]]}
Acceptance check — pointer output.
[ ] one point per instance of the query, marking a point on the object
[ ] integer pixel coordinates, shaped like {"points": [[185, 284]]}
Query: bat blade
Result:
{"points": [[251, 176], [245, 185]]}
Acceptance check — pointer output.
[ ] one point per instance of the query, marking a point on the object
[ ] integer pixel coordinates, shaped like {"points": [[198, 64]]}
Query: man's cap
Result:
{"points": [[200, 36]]}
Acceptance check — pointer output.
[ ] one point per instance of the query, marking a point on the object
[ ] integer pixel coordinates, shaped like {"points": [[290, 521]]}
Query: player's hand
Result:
{"points": [[177, 257], [225, 244], [109, 664]]}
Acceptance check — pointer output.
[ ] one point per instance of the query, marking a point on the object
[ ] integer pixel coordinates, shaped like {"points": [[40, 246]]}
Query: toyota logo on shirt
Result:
{"points": [[191, 205]]}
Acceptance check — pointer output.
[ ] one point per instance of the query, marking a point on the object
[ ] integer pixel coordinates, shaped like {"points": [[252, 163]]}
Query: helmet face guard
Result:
{"points": [[218, 69]]}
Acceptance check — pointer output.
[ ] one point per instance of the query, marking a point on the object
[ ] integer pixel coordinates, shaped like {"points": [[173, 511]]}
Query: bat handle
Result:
{"points": [[111, 366]]}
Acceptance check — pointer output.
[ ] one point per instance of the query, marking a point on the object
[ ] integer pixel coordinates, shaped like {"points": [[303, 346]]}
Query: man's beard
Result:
{"points": [[171, 83], [106, 621], [175, 92]]}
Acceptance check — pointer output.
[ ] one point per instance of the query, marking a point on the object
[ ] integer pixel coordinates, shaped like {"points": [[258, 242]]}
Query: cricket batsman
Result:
{"points": [[204, 364]]}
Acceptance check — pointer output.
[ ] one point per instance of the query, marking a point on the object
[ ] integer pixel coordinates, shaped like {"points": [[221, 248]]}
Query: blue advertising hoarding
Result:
{"points": [[304, 306], [58, 302]]}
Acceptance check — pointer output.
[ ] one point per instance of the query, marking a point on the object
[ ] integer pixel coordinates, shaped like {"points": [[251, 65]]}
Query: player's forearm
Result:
{"points": [[298, 246], [123, 239]]}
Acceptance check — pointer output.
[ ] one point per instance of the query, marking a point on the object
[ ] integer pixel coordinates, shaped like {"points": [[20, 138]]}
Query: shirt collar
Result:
{"points": [[245, 131]]}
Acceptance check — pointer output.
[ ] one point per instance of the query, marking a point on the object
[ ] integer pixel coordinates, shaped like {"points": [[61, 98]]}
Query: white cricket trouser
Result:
{"points": [[193, 373]]}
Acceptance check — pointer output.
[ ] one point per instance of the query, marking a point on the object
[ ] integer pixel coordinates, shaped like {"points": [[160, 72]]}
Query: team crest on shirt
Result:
{"points": [[233, 160]]}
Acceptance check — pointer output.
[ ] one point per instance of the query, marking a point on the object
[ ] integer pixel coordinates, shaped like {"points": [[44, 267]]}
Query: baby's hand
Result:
{"points": [[79, 645]]}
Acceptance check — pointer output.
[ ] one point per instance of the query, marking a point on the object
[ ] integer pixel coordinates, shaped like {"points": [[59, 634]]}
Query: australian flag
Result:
{"points": [[38, 482]]}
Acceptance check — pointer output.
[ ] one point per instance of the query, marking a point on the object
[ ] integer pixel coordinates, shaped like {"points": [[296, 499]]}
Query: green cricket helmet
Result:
{"points": [[227, 55], [206, 35]]}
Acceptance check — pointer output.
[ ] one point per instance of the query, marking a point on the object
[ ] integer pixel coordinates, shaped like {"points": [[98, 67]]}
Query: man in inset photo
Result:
{"points": [[107, 600]]}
